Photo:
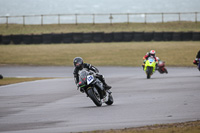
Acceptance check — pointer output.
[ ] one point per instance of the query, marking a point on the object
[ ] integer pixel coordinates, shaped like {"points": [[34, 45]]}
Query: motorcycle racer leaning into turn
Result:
{"points": [[152, 53], [79, 65]]}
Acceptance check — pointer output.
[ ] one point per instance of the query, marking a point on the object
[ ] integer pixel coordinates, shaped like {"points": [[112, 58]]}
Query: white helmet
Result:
{"points": [[152, 53]]}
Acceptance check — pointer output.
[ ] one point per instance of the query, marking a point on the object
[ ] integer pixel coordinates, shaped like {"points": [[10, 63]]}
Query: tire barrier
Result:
{"points": [[67, 38], [128, 36], [47, 38], [158, 36], [77, 37], [56, 38], [99, 37], [118, 37], [27, 39], [186, 36], [108, 37], [6, 39], [148, 36], [139, 36], [196, 36], [167, 36], [17, 39], [87, 37], [37, 39], [0, 39], [177, 36]]}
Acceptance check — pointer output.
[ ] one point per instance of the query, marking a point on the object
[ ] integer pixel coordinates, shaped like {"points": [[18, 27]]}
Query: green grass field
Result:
{"points": [[99, 54]]}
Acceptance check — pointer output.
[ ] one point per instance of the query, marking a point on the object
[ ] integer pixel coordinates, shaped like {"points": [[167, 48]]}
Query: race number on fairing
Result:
{"points": [[90, 78]]}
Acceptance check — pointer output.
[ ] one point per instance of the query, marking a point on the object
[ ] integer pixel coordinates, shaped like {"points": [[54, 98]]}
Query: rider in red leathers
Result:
{"points": [[196, 61]]}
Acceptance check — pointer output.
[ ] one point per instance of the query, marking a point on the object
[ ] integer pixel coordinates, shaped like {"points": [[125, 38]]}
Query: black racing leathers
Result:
{"points": [[87, 66]]}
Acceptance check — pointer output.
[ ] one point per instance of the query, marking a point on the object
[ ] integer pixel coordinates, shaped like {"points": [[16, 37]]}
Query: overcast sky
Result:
{"points": [[26, 7]]}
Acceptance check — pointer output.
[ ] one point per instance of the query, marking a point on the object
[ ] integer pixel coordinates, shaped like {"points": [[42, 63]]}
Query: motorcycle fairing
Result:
{"points": [[151, 63]]}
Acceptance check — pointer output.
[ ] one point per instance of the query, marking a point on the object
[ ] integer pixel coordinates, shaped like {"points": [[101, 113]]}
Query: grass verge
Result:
{"points": [[116, 27], [99, 54], [11, 80], [185, 127]]}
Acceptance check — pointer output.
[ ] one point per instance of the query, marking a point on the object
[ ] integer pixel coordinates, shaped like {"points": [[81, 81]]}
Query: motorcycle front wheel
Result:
{"points": [[149, 72], [94, 96]]}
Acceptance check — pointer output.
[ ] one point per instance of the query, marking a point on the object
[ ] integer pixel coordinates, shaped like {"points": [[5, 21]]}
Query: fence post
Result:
{"points": [[145, 18], [76, 17], [179, 17], [195, 17], [6, 21], [111, 18], [23, 20], [93, 19], [162, 17], [127, 18], [42, 20], [59, 19]]}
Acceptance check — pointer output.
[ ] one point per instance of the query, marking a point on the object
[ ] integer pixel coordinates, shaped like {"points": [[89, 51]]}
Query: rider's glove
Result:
{"points": [[195, 61], [82, 90]]}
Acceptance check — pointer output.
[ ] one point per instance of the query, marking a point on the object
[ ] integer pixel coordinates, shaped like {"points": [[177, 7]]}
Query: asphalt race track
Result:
{"points": [[56, 106]]}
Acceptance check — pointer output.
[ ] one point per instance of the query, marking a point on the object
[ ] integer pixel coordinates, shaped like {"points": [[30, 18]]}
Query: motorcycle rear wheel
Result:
{"points": [[166, 71], [110, 100], [94, 96]]}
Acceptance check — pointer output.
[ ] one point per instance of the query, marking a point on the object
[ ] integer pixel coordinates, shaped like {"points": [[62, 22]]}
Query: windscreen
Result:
{"points": [[83, 76]]}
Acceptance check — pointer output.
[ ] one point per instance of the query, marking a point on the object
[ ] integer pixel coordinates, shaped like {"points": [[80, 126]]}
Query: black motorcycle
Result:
{"points": [[93, 87]]}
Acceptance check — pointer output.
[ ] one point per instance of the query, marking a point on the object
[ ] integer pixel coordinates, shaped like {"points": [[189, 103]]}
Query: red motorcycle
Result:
{"points": [[161, 67], [197, 62]]}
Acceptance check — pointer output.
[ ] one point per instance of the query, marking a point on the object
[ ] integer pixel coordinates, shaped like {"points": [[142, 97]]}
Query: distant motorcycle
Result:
{"points": [[149, 67], [94, 88], [198, 64], [161, 67]]}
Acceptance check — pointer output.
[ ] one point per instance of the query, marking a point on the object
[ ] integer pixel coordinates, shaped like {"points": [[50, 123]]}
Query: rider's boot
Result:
{"points": [[143, 66], [107, 87]]}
